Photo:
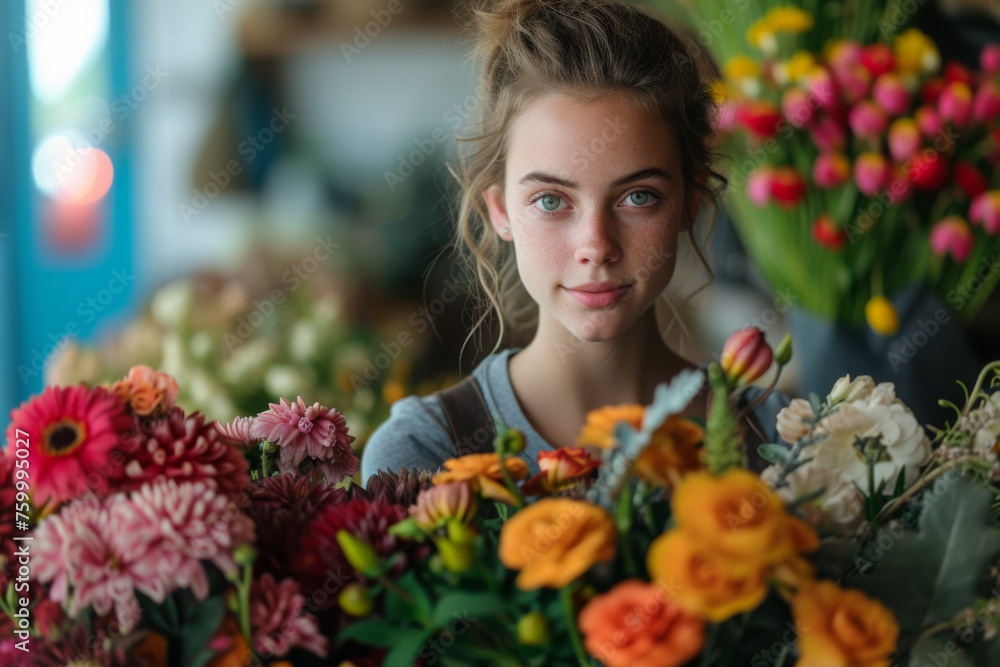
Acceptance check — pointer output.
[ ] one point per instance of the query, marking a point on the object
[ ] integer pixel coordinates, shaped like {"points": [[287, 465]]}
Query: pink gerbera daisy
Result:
{"points": [[70, 432], [314, 431]]}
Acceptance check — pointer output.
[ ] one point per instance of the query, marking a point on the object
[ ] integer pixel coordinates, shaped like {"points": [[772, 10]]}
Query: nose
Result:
{"points": [[597, 242]]}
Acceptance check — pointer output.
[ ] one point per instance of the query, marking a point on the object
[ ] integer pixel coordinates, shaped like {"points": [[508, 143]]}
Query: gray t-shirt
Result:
{"points": [[417, 436]]}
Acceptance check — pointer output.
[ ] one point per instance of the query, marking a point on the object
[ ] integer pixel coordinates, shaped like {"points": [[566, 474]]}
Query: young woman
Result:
{"points": [[594, 158]]}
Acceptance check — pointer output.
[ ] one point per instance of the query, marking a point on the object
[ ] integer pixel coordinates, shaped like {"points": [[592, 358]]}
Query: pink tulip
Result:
{"points": [[759, 186], [989, 58], [831, 169], [928, 121], [726, 119], [952, 235], [891, 94], [828, 134], [904, 139], [823, 88], [746, 355], [844, 54], [955, 103], [986, 104], [855, 82], [867, 119], [985, 210], [797, 108], [871, 172]]}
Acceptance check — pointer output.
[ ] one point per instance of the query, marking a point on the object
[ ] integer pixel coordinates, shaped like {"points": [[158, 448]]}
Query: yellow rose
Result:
{"points": [[740, 518], [842, 628], [555, 540], [703, 582]]}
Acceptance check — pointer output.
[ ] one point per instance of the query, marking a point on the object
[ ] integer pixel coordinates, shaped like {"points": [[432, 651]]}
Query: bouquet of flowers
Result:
{"points": [[136, 534], [860, 166]]}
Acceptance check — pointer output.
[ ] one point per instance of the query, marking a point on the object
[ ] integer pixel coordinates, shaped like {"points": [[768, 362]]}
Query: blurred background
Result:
{"points": [[251, 195]]}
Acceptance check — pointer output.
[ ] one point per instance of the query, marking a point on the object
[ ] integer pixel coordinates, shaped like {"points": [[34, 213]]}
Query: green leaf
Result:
{"points": [[373, 632], [417, 610], [773, 452], [201, 620], [925, 577], [405, 647], [940, 652], [461, 606]]}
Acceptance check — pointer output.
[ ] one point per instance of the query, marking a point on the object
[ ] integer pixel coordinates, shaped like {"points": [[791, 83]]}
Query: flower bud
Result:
{"points": [[928, 121], [746, 356], [955, 103], [928, 170], [826, 233], [533, 629], [986, 103], [871, 172], [952, 235], [459, 532], [358, 553], [831, 169], [787, 187], [989, 58], [904, 139], [970, 178], [797, 108], [760, 118], [891, 94], [759, 186], [881, 316], [867, 119], [354, 600], [784, 352], [511, 441], [458, 557]]}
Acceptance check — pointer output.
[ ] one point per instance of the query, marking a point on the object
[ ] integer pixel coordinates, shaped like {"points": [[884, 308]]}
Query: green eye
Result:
{"points": [[642, 195], [551, 198]]}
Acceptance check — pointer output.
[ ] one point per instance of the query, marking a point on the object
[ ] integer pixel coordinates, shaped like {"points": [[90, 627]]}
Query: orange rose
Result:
{"points": [[560, 469], [555, 540], [703, 582], [635, 625], [842, 628], [599, 429], [482, 472], [147, 392], [740, 518], [672, 452]]}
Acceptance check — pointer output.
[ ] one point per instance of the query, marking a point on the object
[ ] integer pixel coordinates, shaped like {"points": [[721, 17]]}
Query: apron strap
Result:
{"points": [[472, 426]]}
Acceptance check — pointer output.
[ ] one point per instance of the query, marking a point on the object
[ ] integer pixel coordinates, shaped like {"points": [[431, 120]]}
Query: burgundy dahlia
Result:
{"points": [[386, 486], [184, 449], [279, 620]]}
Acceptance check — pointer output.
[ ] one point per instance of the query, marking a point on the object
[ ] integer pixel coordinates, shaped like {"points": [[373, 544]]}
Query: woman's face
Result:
{"points": [[593, 199]]}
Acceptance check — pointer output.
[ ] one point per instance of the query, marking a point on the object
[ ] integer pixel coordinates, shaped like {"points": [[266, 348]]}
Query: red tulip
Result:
{"points": [[787, 187], [746, 356], [928, 170], [831, 169], [878, 59], [970, 179], [956, 71], [828, 133], [828, 234], [761, 118], [931, 90]]}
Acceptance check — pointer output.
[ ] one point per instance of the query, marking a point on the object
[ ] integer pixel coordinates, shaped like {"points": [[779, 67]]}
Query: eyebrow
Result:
{"points": [[542, 177]]}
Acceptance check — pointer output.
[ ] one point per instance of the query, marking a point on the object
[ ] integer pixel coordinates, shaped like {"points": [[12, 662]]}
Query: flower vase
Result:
{"points": [[925, 356]]}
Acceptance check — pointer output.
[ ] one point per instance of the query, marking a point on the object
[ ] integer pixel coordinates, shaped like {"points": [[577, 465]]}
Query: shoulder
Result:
{"points": [[415, 436]]}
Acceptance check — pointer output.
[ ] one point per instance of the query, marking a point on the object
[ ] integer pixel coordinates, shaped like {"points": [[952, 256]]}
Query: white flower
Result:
{"points": [[846, 390], [839, 509], [791, 420], [906, 445]]}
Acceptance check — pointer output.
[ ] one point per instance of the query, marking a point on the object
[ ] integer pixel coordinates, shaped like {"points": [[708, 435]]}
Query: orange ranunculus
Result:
{"points": [[599, 429], [555, 540], [842, 628], [147, 391], [560, 469], [483, 472], [702, 581], [636, 625], [672, 452], [739, 517]]}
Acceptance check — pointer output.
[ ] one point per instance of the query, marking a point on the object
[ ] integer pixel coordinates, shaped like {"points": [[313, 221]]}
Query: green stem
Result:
{"points": [[706, 654], [979, 383], [623, 521], [509, 481], [245, 603], [566, 596]]}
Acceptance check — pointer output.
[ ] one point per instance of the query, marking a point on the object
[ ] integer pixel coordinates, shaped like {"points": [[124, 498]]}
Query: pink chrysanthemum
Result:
{"points": [[183, 449], [71, 432], [194, 523], [238, 430], [279, 622], [314, 431], [92, 559]]}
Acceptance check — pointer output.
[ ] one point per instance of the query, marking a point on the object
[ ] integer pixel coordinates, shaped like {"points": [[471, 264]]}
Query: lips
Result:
{"points": [[599, 295]]}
